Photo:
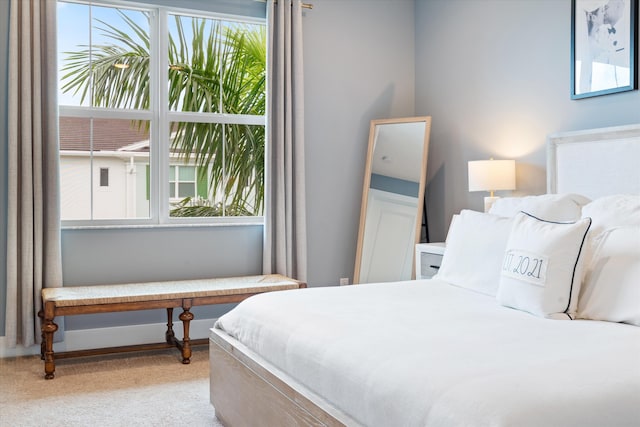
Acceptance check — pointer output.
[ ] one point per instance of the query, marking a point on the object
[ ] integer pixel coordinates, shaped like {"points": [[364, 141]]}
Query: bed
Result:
{"points": [[533, 319]]}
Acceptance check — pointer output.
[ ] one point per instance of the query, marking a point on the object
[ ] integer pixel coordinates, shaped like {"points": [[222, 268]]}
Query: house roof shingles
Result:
{"points": [[108, 134]]}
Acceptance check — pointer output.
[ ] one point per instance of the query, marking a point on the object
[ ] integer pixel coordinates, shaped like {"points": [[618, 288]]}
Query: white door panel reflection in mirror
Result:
{"points": [[390, 226], [392, 199]]}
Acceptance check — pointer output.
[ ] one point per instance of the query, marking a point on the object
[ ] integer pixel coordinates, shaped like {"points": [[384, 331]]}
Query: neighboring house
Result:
{"points": [[112, 157]]}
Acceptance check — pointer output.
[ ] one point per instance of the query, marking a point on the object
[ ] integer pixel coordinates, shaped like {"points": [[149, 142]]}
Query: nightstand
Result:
{"points": [[428, 259]]}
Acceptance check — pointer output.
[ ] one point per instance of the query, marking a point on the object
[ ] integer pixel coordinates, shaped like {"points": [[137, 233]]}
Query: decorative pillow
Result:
{"points": [[550, 207], [475, 248], [542, 272], [609, 212], [611, 289], [612, 211]]}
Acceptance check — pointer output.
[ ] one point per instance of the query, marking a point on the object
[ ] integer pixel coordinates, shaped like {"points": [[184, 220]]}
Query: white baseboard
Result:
{"points": [[113, 337]]}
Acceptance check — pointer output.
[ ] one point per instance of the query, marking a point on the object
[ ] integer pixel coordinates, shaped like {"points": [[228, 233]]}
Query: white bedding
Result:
{"points": [[425, 353]]}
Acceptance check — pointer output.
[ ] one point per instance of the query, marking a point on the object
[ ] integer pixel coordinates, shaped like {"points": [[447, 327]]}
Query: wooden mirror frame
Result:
{"points": [[367, 183]]}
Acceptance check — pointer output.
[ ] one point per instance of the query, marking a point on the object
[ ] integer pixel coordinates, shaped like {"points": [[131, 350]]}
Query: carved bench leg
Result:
{"points": [[48, 329], [186, 316], [170, 336], [43, 340]]}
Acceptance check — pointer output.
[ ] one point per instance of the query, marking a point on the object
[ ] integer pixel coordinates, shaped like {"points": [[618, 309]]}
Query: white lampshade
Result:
{"points": [[492, 175]]}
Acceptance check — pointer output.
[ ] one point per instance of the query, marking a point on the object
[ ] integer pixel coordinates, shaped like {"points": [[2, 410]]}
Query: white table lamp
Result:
{"points": [[492, 175]]}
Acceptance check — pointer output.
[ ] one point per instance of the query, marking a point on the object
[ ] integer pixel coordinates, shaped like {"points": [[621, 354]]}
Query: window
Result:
{"points": [[104, 177], [182, 181], [162, 107]]}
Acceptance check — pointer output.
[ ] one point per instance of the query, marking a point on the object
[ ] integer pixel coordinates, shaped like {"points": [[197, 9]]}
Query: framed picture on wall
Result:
{"points": [[603, 47]]}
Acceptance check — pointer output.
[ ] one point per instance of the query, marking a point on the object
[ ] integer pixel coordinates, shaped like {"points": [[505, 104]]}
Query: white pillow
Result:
{"points": [[612, 211], [474, 251], [609, 212], [611, 289], [550, 207], [542, 272]]}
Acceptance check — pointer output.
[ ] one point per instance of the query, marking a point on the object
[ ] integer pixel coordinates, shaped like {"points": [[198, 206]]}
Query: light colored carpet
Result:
{"points": [[139, 389]]}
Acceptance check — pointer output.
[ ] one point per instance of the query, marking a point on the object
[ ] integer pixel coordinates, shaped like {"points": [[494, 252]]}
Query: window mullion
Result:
{"points": [[162, 106], [91, 94]]}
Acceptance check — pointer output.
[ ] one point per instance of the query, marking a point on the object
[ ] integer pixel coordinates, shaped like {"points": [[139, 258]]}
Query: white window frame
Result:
{"points": [[177, 181], [159, 113]]}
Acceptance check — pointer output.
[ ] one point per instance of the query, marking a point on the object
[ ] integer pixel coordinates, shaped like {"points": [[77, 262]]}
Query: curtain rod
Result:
{"points": [[304, 5]]}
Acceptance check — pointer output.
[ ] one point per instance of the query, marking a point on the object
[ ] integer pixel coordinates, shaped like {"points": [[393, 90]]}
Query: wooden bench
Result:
{"points": [[74, 300]]}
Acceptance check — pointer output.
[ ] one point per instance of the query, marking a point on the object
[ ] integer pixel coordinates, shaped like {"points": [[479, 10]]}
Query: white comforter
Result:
{"points": [[426, 353]]}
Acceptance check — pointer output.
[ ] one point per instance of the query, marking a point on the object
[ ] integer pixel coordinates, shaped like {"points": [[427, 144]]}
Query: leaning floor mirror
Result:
{"points": [[392, 199]]}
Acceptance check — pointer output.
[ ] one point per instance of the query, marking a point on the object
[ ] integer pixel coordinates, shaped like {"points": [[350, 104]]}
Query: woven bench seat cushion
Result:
{"points": [[153, 291]]}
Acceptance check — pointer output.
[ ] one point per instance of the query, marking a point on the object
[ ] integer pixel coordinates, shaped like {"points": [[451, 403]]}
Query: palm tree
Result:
{"points": [[220, 69]]}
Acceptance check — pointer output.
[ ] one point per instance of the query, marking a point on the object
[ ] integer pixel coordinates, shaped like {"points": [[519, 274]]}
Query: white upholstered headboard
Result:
{"points": [[595, 162]]}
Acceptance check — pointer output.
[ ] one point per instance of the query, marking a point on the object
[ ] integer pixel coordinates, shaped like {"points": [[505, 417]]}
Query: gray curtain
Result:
{"points": [[33, 213], [285, 242]]}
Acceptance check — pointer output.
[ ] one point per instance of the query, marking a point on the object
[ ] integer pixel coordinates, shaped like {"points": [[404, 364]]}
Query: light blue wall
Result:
{"points": [[148, 254], [359, 66], [495, 76], [346, 86], [353, 74], [394, 185]]}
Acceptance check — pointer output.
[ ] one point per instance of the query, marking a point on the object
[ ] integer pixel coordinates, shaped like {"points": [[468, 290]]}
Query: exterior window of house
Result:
{"points": [[104, 177], [164, 107], [182, 182]]}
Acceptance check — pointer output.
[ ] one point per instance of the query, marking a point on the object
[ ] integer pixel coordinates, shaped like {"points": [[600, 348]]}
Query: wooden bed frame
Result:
{"points": [[246, 390]]}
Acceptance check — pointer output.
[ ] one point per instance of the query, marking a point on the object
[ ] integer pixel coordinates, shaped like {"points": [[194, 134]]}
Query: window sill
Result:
{"points": [[236, 222]]}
